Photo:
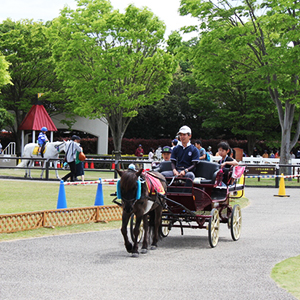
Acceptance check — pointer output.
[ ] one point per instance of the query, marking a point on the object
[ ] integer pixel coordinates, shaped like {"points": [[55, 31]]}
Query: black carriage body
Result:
{"points": [[204, 201]]}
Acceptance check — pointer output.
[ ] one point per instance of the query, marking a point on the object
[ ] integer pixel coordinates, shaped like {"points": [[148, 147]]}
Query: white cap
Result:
{"points": [[132, 167], [185, 129]]}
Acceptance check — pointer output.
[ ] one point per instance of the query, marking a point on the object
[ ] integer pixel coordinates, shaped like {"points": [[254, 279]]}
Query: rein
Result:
{"points": [[57, 147]]}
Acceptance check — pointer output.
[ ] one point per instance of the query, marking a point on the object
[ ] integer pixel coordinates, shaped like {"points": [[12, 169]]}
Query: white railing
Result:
{"points": [[10, 149], [272, 161]]}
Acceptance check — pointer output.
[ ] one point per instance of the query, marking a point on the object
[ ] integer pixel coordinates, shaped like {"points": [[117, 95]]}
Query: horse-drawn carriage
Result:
{"points": [[203, 203]]}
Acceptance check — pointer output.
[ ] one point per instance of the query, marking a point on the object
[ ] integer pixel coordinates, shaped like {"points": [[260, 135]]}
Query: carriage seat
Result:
{"points": [[206, 172], [164, 166]]}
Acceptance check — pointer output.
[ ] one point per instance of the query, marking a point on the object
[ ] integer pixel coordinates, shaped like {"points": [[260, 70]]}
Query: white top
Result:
{"points": [[71, 148]]}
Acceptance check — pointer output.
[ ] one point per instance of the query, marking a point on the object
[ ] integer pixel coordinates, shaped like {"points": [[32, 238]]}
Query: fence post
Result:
{"points": [[97, 214], [116, 167], [47, 169], [277, 176]]}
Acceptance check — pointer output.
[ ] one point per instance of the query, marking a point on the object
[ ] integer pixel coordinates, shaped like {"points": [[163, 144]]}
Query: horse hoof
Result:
{"points": [[143, 251], [153, 247], [134, 255]]}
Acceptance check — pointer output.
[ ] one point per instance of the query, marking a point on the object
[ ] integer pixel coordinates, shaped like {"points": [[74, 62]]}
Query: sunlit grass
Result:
{"points": [[287, 275]]}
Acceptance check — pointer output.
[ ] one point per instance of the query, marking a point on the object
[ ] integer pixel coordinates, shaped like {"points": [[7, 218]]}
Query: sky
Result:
{"points": [[166, 10]]}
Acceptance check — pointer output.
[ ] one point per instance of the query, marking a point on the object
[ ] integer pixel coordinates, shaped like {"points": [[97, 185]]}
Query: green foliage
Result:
{"points": [[6, 118], [111, 63], [4, 74], [28, 52], [251, 52]]}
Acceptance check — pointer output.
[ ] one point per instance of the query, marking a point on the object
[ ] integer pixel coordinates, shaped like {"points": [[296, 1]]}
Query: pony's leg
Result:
{"points": [[41, 176], [125, 219], [158, 214], [56, 171], [29, 168], [146, 233], [26, 170], [136, 231]]}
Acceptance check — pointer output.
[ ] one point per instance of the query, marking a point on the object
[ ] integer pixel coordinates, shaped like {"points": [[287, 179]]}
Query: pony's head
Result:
{"points": [[129, 188]]}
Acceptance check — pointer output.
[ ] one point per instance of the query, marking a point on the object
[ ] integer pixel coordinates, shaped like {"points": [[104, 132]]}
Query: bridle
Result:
{"points": [[131, 202], [57, 147]]}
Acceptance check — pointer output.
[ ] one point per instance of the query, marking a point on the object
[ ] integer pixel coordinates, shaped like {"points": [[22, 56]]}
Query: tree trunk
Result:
{"points": [[117, 124], [251, 143]]}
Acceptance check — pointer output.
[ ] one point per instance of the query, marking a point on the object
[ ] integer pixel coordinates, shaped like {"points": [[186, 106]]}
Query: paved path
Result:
{"points": [[96, 266]]}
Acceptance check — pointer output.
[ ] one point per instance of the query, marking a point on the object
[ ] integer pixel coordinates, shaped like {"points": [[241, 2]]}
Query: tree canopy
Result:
{"points": [[28, 52], [111, 63], [4, 74], [259, 43]]}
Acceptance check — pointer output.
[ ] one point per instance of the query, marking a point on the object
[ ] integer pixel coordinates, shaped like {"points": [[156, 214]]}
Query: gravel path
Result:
{"points": [[96, 266]]}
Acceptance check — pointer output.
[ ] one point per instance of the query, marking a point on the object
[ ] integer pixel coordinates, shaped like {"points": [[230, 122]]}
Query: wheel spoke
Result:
{"points": [[236, 222]]}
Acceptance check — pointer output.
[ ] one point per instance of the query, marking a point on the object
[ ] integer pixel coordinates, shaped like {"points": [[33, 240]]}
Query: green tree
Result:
{"points": [[6, 118], [28, 52], [111, 63], [4, 74], [264, 44]]}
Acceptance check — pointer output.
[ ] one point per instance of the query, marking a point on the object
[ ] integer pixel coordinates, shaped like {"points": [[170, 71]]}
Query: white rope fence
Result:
{"points": [[102, 181], [271, 176]]}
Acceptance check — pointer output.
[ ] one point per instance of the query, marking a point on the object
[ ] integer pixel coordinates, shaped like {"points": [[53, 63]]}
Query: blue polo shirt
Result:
{"points": [[184, 157]]}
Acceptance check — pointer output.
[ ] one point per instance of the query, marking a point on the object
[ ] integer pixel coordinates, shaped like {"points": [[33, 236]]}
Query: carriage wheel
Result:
{"points": [[165, 230], [236, 222], [132, 225], [213, 228]]}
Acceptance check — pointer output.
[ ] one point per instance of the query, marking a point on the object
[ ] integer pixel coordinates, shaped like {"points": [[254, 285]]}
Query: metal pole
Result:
{"points": [[47, 169], [277, 176]]}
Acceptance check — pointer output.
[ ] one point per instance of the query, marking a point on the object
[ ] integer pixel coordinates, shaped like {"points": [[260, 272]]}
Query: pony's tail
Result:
{"points": [[23, 163]]}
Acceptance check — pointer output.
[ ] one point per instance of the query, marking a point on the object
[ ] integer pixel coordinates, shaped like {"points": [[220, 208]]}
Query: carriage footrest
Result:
{"points": [[236, 187]]}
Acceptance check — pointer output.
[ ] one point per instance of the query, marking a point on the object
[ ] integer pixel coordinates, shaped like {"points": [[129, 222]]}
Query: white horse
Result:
{"points": [[52, 151]]}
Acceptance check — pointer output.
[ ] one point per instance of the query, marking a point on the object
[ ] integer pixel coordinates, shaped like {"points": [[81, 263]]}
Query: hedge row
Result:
{"points": [[129, 145]]}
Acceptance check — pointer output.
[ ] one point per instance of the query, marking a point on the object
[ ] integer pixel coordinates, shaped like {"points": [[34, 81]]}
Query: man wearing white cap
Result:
{"points": [[184, 157]]}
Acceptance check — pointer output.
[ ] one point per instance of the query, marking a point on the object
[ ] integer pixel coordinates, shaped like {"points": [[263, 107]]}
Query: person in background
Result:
{"points": [[231, 153], [255, 152], [272, 155], [151, 154], [292, 155], [265, 155], [79, 166], [202, 153], [209, 150], [277, 154], [226, 161], [42, 140], [0, 147], [158, 153], [139, 152], [184, 157], [166, 153], [71, 148], [174, 143], [166, 156]]}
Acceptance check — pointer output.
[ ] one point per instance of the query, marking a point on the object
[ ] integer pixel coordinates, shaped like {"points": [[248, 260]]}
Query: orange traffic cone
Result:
{"points": [[281, 192], [86, 165], [92, 165], [113, 166]]}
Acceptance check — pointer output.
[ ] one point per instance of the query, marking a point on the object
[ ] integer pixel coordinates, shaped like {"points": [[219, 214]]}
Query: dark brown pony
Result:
{"points": [[147, 203]]}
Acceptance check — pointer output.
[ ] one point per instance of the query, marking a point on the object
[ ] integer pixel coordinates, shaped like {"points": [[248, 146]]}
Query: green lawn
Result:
{"points": [[271, 182], [287, 275]]}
